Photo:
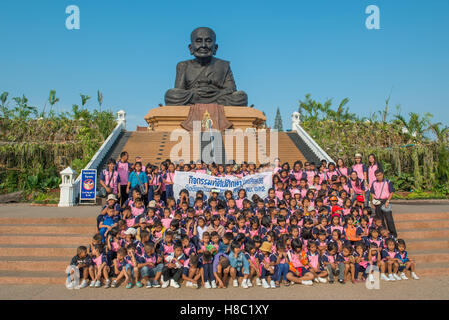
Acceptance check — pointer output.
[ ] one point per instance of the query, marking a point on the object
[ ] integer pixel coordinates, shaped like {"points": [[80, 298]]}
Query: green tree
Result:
{"points": [[52, 100], [415, 128], [5, 112], [23, 111], [278, 121], [84, 99], [100, 99]]}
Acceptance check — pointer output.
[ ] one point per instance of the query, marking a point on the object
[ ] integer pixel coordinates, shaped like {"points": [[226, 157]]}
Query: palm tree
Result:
{"points": [[5, 112], [327, 112], [442, 139], [100, 98], [22, 110], [441, 134], [415, 128], [84, 99], [52, 100], [311, 107], [342, 113]]}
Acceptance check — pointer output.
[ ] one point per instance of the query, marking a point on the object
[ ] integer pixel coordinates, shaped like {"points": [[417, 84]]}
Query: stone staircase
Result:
{"points": [[427, 239], [155, 147], [37, 250]]}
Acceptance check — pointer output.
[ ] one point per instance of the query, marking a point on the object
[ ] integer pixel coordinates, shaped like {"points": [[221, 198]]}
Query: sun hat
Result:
{"points": [[131, 231], [358, 155], [152, 204], [266, 247], [112, 197], [333, 198]]}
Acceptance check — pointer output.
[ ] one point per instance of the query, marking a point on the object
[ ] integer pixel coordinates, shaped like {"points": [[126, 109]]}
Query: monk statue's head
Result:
{"points": [[203, 44]]}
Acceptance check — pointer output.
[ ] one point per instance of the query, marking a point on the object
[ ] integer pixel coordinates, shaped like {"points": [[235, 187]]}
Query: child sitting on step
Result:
{"points": [[83, 262], [405, 262], [100, 266]]}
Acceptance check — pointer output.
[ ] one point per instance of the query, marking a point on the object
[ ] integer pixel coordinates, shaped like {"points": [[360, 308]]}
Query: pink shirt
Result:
{"points": [[371, 174], [123, 171], [381, 190], [359, 169]]}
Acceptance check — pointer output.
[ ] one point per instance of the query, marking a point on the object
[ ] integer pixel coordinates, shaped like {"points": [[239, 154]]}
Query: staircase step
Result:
{"points": [[432, 269], [427, 244], [38, 221], [37, 252], [45, 239], [420, 216], [32, 277], [423, 224], [424, 233], [56, 264], [48, 229], [429, 256]]}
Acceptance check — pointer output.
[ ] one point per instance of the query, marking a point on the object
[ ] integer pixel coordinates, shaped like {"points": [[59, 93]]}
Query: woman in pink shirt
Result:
{"points": [[124, 168], [341, 169]]}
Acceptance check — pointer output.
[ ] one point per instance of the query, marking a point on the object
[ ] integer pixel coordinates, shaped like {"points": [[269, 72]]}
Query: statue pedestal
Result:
{"points": [[168, 118]]}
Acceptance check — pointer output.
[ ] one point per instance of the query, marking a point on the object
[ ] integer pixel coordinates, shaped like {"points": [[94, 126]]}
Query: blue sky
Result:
{"points": [[279, 51]]}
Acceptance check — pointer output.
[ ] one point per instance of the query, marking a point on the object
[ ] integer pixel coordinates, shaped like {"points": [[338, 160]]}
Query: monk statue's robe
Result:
{"points": [[209, 83]]}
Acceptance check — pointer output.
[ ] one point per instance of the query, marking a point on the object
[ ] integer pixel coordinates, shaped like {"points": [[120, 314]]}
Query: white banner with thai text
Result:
{"points": [[253, 184]]}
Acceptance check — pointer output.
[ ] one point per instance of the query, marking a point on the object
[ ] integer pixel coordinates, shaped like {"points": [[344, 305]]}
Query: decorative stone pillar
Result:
{"points": [[296, 120], [121, 118], [67, 198]]}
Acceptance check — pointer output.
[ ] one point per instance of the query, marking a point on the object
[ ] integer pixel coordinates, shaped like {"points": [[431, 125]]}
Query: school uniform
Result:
{"points": [[360, 169], [403, 257], [382, 191], [147, 271], [121, 264], [111, 180], [361, 265], [123, 169], [271, 258], [176, 272], [76, 260], [169, 176], [153, 183]]}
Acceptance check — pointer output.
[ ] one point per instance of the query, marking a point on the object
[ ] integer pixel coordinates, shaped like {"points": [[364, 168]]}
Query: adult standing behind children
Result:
{"points": [[381, 193], [110, 179], [123, 168], [373, 166], [138, 180]]}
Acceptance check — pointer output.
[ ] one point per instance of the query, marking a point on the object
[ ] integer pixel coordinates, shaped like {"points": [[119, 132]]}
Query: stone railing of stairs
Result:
{"points": [[70, 187], [306, 142]]}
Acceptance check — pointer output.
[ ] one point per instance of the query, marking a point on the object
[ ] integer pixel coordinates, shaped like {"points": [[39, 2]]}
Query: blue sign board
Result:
{"points": [[88, 185]]}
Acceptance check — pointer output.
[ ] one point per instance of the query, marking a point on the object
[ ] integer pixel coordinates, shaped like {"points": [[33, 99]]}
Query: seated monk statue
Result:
{"points": [[204, 79]]}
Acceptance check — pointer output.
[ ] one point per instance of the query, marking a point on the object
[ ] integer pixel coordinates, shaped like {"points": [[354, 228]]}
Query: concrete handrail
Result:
{"points": [[311, 143], [95, 161]]}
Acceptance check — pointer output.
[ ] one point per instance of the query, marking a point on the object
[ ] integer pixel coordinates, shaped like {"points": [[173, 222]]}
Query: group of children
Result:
{"points": [[309, 228]]}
